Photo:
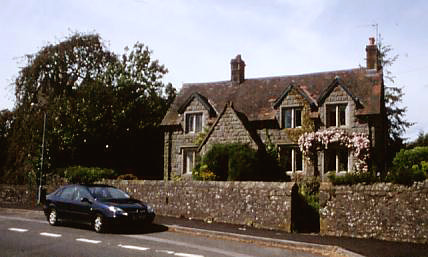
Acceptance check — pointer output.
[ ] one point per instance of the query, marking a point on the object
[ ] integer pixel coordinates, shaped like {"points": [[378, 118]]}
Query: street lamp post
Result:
{"points": [[39, 193], [42, 101]]}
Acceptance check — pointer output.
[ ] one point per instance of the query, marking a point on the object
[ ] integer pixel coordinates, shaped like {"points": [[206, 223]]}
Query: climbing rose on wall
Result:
{"points": [[358, 143]]}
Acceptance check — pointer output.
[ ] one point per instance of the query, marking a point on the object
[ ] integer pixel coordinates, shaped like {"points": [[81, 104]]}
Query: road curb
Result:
{"points": [[324, 250]]}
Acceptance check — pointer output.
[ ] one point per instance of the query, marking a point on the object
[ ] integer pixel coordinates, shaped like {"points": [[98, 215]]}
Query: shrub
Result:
{"points": [[217, 159], [405, 159], [406, 176], [128, 176], [87, 175], [237, 162], [424, 166], [242, 163], [309, 189], [352, 178], [201, 172], [409, 166]]}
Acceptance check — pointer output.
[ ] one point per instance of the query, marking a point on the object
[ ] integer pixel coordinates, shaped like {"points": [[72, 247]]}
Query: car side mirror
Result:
{"points": [[85, 200]]}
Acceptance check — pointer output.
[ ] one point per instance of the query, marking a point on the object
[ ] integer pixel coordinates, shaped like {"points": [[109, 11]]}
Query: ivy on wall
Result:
{"points": [[307, 125]]}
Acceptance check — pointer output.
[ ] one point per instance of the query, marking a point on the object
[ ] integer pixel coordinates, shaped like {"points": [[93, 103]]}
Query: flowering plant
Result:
{"points": [[358, 143]]}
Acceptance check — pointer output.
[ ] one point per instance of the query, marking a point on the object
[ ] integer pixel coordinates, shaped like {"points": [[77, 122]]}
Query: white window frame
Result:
{"points": [[293, 114], [193, 127], [187, 169], [337, 162], [337, 113], [293, 160]]}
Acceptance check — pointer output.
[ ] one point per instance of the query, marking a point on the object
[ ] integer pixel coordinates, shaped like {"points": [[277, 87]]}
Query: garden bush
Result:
{"points": [[217, 159], [242, 163], [406, 176], [202, 172], [353, 178], [237, 162], [87, 175], [128, 176], [409, 166], [406, 159]]}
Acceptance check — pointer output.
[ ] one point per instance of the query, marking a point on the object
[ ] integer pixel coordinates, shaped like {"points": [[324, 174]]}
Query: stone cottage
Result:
{"points": [[276, 110]]}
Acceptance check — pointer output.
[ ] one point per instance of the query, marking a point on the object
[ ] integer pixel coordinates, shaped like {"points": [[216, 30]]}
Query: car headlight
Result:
{"points": [[150, 209], [117, 210]]}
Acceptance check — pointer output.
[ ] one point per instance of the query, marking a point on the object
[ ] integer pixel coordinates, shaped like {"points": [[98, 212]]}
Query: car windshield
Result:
{"points": [[108, 193]]}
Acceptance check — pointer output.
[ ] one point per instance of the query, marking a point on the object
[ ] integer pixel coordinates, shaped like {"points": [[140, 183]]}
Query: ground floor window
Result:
{"points": [[336, 159], [291, 159], [189, 156]]}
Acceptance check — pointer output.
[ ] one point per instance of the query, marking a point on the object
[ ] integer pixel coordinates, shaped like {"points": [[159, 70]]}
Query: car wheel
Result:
{"points": [[53, 217], [99, 223]]}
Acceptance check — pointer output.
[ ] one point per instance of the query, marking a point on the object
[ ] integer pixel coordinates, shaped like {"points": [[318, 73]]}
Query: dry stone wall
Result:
{"points": [[382, 211], [258, 204], [18, 196]]}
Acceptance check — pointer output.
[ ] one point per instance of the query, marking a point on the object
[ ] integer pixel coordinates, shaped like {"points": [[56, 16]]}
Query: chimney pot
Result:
{"points": [[372, 55]]}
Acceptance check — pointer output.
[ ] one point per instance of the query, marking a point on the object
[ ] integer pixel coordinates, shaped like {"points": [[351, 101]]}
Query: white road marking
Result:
{"points": [[88, 241], [18, 229], [134, 247], [194, 246], [187, 255], [50, 234], [165, 251], [179, 254]]}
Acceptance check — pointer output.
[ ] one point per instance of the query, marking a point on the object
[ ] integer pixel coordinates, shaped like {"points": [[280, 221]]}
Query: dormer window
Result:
{"points": [[336, 115], [194, 122], [291, 117]]}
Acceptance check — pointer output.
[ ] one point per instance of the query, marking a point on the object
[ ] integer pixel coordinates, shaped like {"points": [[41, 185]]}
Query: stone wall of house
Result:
{"points": [[382, 211], [176, 140], [229, 129], [259, 204]]}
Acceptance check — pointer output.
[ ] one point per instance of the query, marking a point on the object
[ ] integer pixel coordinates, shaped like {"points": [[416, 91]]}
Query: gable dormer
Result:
{"points": [[196, 112], [337, 105], [290, 106]]}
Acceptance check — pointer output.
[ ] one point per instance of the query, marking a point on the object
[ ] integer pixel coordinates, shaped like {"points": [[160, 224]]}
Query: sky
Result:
{"points": [[196, 39]]}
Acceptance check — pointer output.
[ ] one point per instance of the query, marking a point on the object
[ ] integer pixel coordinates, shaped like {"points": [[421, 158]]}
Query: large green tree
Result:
{"points": [[395, 112], [102, 109]]}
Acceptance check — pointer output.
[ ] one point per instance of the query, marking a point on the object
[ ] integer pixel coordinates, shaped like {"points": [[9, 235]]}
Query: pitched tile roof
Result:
{"points": [[256, 97]]}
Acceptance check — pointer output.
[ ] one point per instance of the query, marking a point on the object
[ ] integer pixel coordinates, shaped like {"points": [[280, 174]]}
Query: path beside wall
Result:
{"points": [[383, 211], [258, 204]]}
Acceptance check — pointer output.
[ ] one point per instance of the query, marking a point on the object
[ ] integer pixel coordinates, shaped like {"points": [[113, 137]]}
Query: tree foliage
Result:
{"points": [[102, 109], [395, 112], [421, 140]]}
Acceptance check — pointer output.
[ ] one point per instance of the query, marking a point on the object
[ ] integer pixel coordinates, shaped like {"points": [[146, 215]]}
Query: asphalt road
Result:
{"points": [[26, 236]]}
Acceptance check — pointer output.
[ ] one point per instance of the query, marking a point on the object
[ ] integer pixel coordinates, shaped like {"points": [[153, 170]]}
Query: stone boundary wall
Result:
{"points": [[22, 196], [258, 204], [382, 211], [25, 196]]}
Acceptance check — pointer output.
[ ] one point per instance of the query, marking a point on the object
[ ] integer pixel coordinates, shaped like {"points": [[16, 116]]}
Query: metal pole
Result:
{"points": [[39, 195]]}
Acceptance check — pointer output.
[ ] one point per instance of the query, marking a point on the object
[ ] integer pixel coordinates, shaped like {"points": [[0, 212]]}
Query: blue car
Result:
{"points": [[101, 206]]}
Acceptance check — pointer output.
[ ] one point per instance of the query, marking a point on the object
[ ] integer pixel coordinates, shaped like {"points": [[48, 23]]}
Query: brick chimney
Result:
{"points": [[237, 66], [372, 52]]}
